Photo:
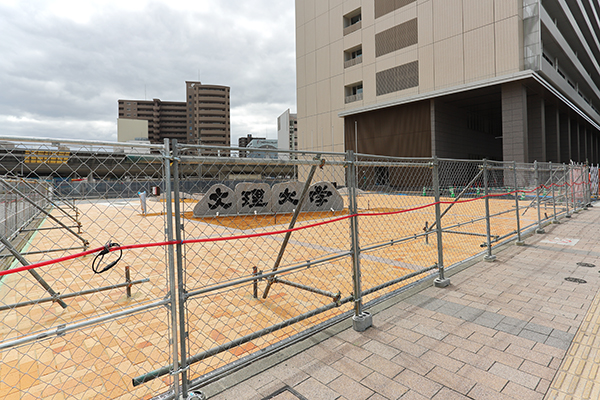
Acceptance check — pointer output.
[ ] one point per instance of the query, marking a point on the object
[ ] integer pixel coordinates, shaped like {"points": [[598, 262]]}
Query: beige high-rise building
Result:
{"points": [[204, 118], [503, 79]]}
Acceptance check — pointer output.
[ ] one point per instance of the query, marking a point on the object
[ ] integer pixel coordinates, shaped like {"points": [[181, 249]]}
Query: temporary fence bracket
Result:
{"points": [[362, 321], [441, 283]]}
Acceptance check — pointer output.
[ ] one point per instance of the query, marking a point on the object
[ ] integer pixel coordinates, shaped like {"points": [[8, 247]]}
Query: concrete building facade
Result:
{"points": [[204, 118], [287, 131], [503, 79]]}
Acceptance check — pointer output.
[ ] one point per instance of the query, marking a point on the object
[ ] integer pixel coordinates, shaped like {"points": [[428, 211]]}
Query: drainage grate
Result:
{"points": [[576, 280], [285, 393], [587, 265]]}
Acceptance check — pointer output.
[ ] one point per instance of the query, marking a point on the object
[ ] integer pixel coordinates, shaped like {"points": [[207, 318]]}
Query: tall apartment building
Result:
{"points": [[204, 118], [287, 131], [503, 79]]}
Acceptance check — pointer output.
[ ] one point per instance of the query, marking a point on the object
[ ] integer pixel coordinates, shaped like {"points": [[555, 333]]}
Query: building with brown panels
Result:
{"points": [[204, 118], [504, 79]]}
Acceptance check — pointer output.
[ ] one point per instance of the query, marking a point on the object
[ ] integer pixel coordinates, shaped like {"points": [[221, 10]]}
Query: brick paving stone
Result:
{"points": [[410, 395], [482, 392], [288, 375], [515, 375], [550, 350], [531, 355], [353, 352], [383, 350], [383, 366], [260, 380], [488, 379], [534, 336], [448, 394], [439, 346], [441, 360], [350, 388], [321, 371], [315, 390], [413, 363], [379, 335], [351, 336], [323, 354], [416, 382], [470, 358], [522, 393], [385, 386], [459, 342], [451, 380], [405, 334], [351, 368], [409, 347], [431, 332], [537, 370], [504, 358]]}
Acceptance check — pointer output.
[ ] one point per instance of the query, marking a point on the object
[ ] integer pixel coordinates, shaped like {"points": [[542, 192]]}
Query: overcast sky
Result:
{"points": [[65, 63]]}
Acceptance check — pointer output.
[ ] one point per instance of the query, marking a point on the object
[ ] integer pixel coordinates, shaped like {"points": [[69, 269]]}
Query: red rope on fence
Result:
{"points": [[253, 235]]}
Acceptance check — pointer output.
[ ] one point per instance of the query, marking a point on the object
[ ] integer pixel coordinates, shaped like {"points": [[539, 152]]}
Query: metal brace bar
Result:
{"points": [[52, 217], [311, 174], [67, 296], [456, 199], [37, 276], [29, 185], [325, 293]]}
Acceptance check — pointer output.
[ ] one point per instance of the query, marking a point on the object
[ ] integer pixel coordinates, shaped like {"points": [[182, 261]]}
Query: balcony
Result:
{"points": [[353, 61], [352, 28], [354, 97]]}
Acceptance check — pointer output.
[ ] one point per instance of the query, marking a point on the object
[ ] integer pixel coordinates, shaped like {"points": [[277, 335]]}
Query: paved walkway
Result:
{"points": [[511, 329]]}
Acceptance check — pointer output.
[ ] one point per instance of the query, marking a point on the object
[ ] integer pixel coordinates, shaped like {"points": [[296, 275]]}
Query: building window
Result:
{"points": [[352, 21], [354, 92], [352, 57]]}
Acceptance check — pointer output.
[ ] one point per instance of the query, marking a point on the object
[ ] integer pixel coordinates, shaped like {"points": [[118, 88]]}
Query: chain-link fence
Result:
{"points": [[145, 271]]}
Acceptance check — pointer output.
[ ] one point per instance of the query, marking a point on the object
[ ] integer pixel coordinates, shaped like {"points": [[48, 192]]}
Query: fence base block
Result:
{"points": [[489, 258], [520, 243], [555, 221], [441, 283], [362, 322], [540, 231]]}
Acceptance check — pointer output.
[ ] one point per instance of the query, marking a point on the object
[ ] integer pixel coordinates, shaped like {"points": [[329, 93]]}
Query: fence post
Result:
{"points": [[519, 241], [554, 220], [536, 169], [566, 191], [361, 320], [180, 276], [588, 190], [486, 190], [440, 281], [171, 266]]}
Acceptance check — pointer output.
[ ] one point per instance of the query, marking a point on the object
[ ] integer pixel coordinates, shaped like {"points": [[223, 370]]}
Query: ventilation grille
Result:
{"points": [[396, 38], [398, 78], [383, 7]]}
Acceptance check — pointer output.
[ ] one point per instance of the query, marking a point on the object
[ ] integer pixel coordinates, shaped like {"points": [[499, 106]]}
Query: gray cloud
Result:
{"points": [[61, 78]]}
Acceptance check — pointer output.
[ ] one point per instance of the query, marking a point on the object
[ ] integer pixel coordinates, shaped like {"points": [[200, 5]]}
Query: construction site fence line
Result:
{"points": [[249, 236], [300, 240]]}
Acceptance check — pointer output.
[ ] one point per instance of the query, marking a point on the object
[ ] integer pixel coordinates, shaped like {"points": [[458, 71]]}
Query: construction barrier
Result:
{"points": [[105, 293]]}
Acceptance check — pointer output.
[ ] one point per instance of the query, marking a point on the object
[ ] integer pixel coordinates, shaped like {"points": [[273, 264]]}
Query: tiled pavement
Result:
{"points": [[511, 329]]}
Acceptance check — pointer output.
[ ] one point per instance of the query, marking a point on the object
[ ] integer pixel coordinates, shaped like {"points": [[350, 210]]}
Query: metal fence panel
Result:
{"points": [[68, 332]]}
